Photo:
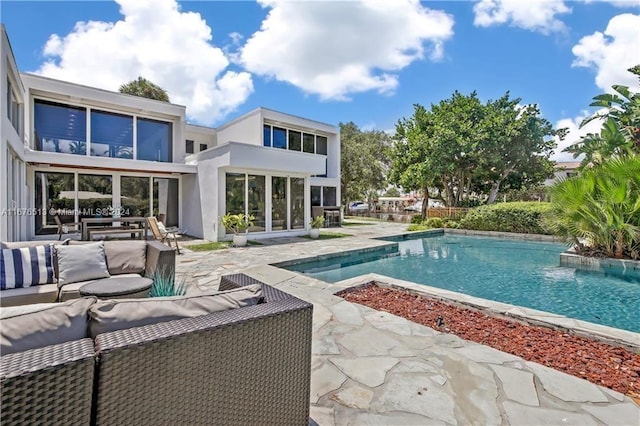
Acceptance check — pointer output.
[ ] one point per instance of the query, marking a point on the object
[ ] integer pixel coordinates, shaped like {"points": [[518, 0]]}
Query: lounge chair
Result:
{"points": [[163, 234], [63, 228]]}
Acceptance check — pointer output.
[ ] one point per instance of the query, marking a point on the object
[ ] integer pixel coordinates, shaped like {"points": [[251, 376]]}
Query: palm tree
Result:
{"points": [[620, 133], [600, 208]]}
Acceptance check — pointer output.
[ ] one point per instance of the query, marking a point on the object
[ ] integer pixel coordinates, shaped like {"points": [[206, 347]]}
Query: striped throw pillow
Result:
{"points": [[26, 267]]}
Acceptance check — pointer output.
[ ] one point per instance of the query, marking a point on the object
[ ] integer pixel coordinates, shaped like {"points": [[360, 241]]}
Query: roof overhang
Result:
{"points": [[105, 163], [245, 156]]}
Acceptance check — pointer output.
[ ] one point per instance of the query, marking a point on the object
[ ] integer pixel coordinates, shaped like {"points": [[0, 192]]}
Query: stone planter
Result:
{"points": [[239, 240], [314, 233]]}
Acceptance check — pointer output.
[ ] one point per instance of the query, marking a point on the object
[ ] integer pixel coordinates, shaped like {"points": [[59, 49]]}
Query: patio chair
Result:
{"points": [[63, 228], [163, 234]]}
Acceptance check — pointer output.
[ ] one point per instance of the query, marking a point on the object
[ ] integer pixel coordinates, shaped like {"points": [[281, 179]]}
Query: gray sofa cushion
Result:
{"points": [[126, 257], [72, 291], [45, 293], [36, 326], [81, 263], [112, 315]]}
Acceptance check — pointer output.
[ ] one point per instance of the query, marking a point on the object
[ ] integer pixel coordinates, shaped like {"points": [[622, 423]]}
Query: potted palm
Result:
{"points": [[316, 224], [238, 224]]}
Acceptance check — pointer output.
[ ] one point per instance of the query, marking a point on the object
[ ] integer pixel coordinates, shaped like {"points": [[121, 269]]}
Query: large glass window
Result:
{"points": [[279, 203], [321, 145], [329, 196], [308, 143], [297, 203], [60, 128], [295, 141], [134, 196], [154, 140], [14, 109], [256, 204], [95, 197], [111, 135], [266, 138], [234, 187], [279, 138], [165, 200], [54, 194], [316, 192]]}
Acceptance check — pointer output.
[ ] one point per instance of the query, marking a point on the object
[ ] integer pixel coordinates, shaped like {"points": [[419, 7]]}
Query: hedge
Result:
{"points": [[523, 217]]}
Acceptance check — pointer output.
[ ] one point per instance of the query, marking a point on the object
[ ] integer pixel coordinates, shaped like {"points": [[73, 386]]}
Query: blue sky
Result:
{"points": [[360, 61]]}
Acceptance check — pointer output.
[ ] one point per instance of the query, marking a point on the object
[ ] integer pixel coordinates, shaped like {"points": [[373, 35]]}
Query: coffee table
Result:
{"points": [[117, 288]]}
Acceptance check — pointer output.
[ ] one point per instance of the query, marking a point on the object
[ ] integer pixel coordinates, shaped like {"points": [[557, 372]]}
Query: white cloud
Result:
{"points": [[159, 42], [611, 53], [617, 3], [575, 133], [334, 49], [530, 15]]}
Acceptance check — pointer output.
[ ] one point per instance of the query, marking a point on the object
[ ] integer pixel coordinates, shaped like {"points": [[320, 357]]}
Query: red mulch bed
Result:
{"points": [[613, 367]]}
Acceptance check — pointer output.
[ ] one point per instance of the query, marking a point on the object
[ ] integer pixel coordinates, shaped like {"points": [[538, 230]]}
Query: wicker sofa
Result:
{"points": [[123, 258], [248, 365]]}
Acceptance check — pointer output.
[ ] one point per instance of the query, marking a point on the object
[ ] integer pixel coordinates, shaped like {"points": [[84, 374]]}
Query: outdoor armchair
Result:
{"points": [[160, 233]]}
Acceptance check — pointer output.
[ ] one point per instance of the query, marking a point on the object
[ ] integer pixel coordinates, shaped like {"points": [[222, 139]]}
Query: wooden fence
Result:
{"points": [[405, 216]]}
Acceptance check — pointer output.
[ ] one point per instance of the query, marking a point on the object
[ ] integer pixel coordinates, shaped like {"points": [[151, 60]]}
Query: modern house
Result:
{"points": [[77, 151]]}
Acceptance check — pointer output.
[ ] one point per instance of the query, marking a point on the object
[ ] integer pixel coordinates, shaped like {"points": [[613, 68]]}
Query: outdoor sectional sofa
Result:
{"points": [[83, 263], [246, 364]]}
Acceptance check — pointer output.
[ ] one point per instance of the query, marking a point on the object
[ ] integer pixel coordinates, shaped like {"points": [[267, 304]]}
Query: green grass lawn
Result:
{"points": [[217, 245], [328, 235], [345, 223], [418, 227]]}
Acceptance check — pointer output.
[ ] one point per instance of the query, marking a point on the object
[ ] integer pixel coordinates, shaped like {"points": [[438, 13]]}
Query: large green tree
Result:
{"points": [[461, 147], [516, 143], [363, 162], [146, 89]]}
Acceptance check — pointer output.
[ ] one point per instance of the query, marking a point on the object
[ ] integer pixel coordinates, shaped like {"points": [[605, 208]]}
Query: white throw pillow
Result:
{"points": [[81, 263]]}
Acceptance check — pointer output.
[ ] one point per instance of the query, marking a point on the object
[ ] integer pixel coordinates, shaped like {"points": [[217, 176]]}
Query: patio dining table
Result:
{"points": [[113, 224]]}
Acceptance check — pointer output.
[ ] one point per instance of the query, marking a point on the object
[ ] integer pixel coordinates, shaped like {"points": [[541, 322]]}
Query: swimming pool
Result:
{"points": [[522, 273]]}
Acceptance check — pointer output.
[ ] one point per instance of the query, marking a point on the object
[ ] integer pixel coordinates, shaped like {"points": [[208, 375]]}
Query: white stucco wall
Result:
{"points": [[246, 129], [191, 218], [13, 191], [212, 191]]}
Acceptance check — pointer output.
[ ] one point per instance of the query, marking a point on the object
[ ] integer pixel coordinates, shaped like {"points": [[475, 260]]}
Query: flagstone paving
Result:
{"points": [[374, 368]]}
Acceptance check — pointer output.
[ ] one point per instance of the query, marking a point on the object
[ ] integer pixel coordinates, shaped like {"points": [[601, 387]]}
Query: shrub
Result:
{"points": [[523, 217], [416, 219], [434, 222], [450, 223]]}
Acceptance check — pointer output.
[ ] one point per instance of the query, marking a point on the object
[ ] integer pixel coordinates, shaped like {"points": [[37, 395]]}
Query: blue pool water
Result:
{"points": [[521, 273]]}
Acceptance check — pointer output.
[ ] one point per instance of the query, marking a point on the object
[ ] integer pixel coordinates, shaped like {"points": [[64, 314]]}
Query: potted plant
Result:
{"points": [[316, 224], [238, 223]]}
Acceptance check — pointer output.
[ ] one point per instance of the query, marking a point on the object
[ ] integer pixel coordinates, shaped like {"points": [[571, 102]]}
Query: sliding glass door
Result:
{"points": [[279, 200], [74, 196], [249, 194], [256, 202]]}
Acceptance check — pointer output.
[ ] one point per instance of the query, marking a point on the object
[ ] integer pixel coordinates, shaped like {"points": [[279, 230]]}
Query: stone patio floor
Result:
{"points": [[374, 368]]}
